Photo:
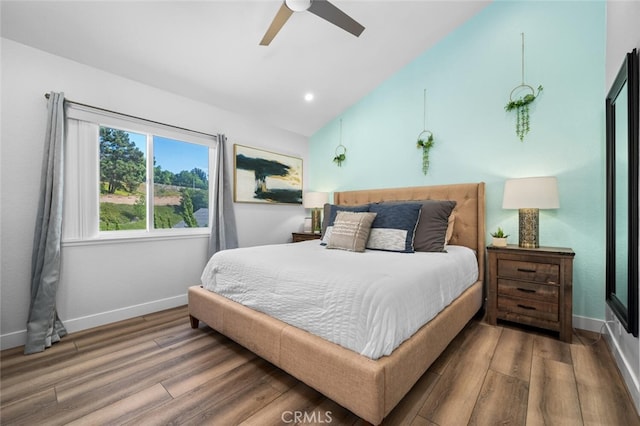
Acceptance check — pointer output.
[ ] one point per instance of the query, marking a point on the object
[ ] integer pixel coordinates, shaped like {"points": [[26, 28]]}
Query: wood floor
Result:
{"points": [[155, 370]]}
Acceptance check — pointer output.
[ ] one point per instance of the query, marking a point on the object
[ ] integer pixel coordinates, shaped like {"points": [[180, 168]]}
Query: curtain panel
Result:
{"points": [[224, 234], [43, 325]]}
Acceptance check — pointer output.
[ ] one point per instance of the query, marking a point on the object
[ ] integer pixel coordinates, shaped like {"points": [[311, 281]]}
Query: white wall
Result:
{"points": [[623, 34], [108, 281]]}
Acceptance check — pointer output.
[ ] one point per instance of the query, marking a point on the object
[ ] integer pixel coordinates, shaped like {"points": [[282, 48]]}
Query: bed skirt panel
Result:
{"points": [[350, 379], [254, 330]]}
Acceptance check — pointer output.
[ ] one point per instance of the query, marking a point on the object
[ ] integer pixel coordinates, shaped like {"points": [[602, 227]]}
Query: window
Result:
{"points": [[126, 177], [180, 196]]}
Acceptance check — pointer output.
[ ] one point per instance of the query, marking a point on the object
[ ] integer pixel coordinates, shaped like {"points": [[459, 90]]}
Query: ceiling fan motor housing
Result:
{"points": [[298, 5]]}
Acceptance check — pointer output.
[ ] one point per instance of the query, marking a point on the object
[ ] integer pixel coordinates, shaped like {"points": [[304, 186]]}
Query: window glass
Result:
{"points": [[123, 174], [180, 184]]}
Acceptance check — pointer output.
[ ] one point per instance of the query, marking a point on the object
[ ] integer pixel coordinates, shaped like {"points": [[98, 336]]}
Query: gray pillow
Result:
{"points": [[432, 225]]}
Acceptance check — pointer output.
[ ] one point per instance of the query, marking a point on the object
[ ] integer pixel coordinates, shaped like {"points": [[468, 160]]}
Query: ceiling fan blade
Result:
{"points": [[281, 17], [331, 13]]}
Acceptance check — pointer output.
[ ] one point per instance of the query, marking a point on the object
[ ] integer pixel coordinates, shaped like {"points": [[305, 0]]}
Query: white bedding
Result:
{"points": [[368, 302]]}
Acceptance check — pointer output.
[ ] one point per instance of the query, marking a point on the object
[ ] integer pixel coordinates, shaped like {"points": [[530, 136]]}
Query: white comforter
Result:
{"points": [[368, 302]]}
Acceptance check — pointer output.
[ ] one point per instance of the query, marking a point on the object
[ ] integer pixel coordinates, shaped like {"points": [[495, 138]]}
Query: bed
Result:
{"points": [[368, 387]]}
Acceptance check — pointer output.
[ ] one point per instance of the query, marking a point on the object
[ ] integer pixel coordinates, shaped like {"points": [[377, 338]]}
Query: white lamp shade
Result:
{"points": [[531, 193], [314, 200]]}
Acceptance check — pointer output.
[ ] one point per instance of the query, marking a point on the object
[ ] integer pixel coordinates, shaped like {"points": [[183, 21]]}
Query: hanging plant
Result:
{"points": [[425, 139], [341, 150], [521, 105], [340, 156], [426, 143]]}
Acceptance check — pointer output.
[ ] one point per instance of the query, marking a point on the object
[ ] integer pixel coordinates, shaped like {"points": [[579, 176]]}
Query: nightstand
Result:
{"points": [[531, 286], [296, 237]]}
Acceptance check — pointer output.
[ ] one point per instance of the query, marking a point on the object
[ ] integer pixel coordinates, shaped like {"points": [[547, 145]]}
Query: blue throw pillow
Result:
{"points": [[394, 227]]}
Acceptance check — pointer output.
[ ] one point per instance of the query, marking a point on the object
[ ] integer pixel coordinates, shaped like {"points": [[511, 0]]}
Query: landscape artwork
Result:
{"points": [[266, 177]]}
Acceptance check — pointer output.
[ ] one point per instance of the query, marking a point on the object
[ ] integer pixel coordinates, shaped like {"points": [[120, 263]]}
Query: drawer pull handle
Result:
{"points": [[531, 308], [526, 270], [551, 282], [526, 290]]}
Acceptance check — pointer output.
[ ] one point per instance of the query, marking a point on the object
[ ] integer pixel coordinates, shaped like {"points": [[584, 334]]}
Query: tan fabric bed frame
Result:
{"points": [[370, 389]]}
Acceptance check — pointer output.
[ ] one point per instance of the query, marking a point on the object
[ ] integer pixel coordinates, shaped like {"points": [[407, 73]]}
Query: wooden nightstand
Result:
{"points": [[531, 286], [296, 237]]}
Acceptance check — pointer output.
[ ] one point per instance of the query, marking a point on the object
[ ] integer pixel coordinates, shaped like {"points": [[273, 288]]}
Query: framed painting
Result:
{"points": [[266, 177]]}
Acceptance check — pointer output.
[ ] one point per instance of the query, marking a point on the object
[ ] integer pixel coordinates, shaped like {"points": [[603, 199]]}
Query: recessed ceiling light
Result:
{"points": [[308, 97]]}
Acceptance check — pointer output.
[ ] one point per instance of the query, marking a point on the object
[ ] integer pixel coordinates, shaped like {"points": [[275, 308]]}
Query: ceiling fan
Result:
{"points": [[321, 8]]}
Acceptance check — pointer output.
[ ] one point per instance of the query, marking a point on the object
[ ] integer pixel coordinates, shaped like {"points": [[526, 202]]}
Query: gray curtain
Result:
{"points": [[43, 326], [223, 226]]}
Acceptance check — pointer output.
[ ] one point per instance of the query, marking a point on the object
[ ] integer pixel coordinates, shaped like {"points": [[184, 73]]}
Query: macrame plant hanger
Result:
{"points": [[521, 104], [425, 138], [341, 150]]}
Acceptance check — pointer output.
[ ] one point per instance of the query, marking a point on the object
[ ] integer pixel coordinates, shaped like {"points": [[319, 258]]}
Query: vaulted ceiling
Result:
{"points": [[209, 50]]}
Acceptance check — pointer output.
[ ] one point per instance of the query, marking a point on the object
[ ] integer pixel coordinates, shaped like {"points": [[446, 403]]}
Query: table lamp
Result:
{"points": [[529, 195], [315, 201]]}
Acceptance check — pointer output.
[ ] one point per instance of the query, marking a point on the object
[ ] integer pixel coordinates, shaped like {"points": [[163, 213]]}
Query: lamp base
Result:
{"points": [[316, 225], [528, 228]]}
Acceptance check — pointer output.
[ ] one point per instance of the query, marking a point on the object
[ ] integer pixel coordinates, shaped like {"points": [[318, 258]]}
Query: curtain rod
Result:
{"points": [[47, 95]]}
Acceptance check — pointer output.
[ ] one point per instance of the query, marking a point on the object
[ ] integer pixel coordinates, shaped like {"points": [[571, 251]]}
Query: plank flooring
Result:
{"points": [[156, 370]]}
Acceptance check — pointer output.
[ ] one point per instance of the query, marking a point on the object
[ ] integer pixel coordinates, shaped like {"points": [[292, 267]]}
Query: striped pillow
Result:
{"points": [[330, 212], [351, 231]]}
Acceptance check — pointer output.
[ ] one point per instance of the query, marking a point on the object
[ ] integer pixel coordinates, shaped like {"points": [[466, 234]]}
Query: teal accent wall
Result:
{"points": [[468, 76]]}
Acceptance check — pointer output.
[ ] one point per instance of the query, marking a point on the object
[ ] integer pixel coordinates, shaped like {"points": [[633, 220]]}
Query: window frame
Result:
{"points": [[81, 214]]}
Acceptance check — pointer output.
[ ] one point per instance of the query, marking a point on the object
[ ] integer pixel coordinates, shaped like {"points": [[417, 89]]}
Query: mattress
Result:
{"points": [[367, 302]]}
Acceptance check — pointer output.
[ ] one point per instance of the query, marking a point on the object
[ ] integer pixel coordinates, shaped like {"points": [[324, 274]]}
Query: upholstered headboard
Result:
{"points": [[469, 228]]}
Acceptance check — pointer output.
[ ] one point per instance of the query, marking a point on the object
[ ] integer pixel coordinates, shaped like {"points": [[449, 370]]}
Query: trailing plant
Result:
{"points": [[341, 150], [340, 157], [499, 234], [425, 139], [426, 145], [521, 105]]}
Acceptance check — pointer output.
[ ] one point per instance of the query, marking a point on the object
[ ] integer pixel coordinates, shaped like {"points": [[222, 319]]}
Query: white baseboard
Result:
{"points": [[18, 338], [589, 324], [13, 339], [624, 367], [604, 327]]}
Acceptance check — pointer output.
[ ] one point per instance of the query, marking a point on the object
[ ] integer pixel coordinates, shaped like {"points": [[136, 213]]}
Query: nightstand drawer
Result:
{"points": [[527, 307], [528, 290], [531, 271]]}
